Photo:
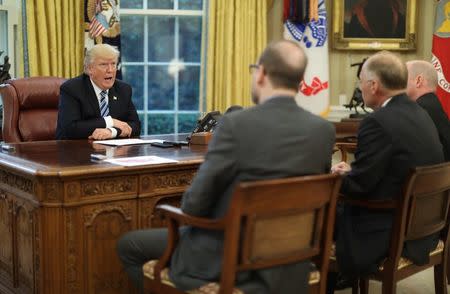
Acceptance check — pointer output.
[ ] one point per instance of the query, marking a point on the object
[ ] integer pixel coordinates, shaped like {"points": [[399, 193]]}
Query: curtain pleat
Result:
{"points": [[55, 37], [237, 34]]}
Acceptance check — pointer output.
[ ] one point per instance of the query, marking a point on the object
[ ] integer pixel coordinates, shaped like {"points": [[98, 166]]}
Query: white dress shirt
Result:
{"points": [[108, 119]]}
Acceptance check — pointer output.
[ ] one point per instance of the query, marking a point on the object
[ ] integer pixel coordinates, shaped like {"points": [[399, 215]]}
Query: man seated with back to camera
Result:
{"points": [[280, 139], [422, 84], [398, 136], [95, 105]]}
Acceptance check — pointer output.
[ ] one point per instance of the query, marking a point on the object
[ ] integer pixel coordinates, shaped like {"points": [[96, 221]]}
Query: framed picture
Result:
{"points": [[374, 24]]}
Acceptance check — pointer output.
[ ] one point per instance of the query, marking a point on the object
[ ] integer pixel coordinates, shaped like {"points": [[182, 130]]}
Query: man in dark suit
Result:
{"points": [[274, 139], [422, 83], [396, 137], [95, 105]]}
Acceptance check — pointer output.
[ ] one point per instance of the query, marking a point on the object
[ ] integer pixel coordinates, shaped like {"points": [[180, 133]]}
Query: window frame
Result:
{"points": [[146, 62], [12, 9]]}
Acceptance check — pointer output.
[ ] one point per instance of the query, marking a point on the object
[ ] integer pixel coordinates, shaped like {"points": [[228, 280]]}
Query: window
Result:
{"points": [[9, 12], [161, 43]]}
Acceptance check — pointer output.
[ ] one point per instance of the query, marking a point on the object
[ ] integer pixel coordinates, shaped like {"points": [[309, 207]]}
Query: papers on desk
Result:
{"points": [[123, 142], [140, 160]]}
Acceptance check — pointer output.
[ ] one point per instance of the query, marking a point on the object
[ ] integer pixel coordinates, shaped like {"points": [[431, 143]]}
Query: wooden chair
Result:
{"points": [[421, 211], [286, 221], [345, 148], [346, 137]]}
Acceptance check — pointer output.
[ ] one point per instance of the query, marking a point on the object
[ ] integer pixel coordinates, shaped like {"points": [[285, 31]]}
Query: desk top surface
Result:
{"points": [[72, 157]]}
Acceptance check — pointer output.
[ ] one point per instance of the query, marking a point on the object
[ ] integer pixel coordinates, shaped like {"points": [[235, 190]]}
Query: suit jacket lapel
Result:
{"points": [[111, 101], [90, 94]]}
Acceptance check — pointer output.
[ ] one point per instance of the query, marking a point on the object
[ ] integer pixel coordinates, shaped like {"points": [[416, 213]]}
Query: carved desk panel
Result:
{"points": [[61, 214]]}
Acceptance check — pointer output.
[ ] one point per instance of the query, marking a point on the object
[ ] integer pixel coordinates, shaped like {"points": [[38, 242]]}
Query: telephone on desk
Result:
{"points": [[202, 133], [208, 123]]}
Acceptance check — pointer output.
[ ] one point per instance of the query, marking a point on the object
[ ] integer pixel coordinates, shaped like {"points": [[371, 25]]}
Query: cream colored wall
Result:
{"points": [[342, 77]]}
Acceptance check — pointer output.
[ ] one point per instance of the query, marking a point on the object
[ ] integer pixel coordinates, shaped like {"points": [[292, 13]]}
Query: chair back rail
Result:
{"points": [[276, 222]]}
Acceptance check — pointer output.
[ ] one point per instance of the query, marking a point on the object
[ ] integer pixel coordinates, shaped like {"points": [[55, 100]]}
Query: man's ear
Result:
{"points": [[374, 86], [89, 69], [260, 75], [419, 81]]}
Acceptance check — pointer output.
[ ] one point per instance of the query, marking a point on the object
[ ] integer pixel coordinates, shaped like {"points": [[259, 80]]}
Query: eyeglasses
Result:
{"points": [[105, 66], [252, 67]]}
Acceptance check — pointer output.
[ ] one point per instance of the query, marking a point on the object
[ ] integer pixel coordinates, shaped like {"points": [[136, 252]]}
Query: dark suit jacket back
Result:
{"points": [[391, 141], [273, 140], [430, 102], [79, 111]]}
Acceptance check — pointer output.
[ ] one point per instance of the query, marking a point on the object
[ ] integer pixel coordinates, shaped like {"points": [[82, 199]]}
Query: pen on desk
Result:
{"points": [[176, 143]]}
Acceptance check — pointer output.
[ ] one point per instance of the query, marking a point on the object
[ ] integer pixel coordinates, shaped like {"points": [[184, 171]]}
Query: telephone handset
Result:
{"points": [[208, 123]]}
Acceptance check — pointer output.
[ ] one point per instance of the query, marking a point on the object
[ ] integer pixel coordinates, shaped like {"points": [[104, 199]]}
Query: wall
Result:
{"points": [[342, 77]]}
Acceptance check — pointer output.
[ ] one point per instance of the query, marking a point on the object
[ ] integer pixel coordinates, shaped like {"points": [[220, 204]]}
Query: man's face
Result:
{"points": [[102, 71], [366, 87]]}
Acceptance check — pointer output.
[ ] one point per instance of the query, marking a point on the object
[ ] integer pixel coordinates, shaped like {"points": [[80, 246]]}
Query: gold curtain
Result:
{"points": [[237, 34], [55, 37]]}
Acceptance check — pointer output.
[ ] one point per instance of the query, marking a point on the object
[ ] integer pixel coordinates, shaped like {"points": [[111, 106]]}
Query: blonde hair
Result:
{"points": [[99, 50]]}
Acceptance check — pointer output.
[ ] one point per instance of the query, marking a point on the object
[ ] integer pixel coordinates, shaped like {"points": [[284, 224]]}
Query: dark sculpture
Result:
{"points": [[357, 99], [4, 69]]}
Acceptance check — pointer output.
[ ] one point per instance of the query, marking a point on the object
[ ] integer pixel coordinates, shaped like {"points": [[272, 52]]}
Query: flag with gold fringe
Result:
{"points": [[102, 24], [306, 23], [441, 53]]}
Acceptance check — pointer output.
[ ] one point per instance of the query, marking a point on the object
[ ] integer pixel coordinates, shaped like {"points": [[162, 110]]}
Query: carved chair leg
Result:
{"points": [[389, 286], [355, 287], [440, 276], [448, 267], [363, 285]]}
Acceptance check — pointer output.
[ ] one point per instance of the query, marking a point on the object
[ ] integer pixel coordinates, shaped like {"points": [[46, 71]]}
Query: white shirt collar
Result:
{"points": [[98, 90], [386, 102]]}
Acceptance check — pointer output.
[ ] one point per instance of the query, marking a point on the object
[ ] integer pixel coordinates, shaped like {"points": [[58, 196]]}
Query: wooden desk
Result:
{"points": [[61, 214], [346, 136]]}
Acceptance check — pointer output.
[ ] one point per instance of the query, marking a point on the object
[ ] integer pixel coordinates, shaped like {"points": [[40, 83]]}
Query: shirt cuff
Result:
{"points": [[109, 122], [113, 132]]}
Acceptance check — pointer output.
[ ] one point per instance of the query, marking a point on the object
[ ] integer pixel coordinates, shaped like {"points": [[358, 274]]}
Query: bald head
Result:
{"points": [[284, 63], [389, 69], [422, 78]]}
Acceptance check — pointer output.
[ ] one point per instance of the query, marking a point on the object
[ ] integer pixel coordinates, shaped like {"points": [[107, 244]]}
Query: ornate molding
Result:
{"points": [[73, 190], [90, 217], [36, 249], [17, 182], [6, 233], [173, 180], [25, 216], [151, 218], [109, 186], [51, 191], [169, 181], [72, 253]]}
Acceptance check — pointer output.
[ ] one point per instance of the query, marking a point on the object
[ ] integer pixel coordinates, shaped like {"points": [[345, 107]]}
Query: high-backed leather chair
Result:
{"points": [[30, 108]]}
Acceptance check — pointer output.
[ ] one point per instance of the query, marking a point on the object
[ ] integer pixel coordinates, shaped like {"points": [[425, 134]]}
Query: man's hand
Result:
{"points": [[125, 129], [341, 168], [101, 134]]}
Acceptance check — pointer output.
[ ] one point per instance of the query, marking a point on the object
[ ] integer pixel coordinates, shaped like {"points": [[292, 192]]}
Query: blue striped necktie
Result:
{"points": [[104, 109]]}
